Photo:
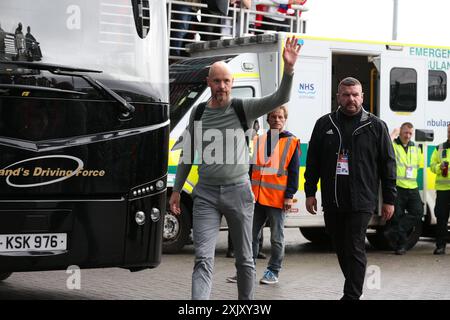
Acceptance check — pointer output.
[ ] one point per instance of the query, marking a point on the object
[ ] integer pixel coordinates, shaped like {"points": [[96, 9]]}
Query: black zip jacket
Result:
{"points": [[371, 160]]}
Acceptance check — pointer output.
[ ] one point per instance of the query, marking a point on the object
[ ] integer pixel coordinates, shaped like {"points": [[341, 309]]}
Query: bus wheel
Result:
{"points": [[380, 242], [176, 230], [4, 275], [316, 235]]}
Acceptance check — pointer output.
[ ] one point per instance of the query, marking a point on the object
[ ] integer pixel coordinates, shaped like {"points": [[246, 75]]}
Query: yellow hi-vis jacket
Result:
{"points": [[270, 174], [440, 154], [408, 164]]}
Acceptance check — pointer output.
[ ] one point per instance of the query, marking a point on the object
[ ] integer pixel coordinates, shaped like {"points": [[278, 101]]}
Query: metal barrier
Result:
{"points": [[190, 22], [16, 47]]}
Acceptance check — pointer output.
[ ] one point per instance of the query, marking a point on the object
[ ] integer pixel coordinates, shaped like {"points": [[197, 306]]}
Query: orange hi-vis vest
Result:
{"points": [[270, 174]]}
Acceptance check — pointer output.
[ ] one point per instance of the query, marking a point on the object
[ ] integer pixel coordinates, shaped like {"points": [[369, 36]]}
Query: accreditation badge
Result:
{"points": [[409, 172], [342, 165]]}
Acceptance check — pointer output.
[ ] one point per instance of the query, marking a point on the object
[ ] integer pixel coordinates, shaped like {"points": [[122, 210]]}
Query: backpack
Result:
{"points": [[237, 105]]}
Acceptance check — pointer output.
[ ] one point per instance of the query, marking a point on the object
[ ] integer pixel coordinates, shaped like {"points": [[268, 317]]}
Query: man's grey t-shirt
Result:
{"points": [[223, 157]]}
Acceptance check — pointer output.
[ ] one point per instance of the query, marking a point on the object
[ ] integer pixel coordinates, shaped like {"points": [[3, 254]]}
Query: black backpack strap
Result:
{"points": [[199, 111], [237, 106], [197, 116], [239, 109]]}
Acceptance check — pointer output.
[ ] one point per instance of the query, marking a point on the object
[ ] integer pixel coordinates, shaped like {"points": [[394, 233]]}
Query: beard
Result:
{"points": [[351, 108], [222, 97]]}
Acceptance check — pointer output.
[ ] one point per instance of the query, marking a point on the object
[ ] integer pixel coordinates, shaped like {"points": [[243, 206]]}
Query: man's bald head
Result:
{"points": [[219, 66], [220, 81]]}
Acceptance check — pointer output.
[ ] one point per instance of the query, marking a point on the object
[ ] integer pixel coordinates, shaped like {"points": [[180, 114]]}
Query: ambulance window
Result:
{"points": [[403, 95], [243, 92], [437, 85]]}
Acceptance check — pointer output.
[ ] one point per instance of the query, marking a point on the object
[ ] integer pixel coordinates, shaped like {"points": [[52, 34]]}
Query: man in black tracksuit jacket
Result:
{"points": [[350, 151]]}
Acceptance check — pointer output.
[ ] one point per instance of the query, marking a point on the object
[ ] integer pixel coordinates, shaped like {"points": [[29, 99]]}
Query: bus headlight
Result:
{"points": [[155, 215], [159, 185], [140, 218]]}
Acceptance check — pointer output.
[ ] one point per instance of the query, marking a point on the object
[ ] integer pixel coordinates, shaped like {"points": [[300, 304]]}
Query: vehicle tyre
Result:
{"points": [[316, 235], [176, 230], [428, 229], [5, 275], [380, 242]]}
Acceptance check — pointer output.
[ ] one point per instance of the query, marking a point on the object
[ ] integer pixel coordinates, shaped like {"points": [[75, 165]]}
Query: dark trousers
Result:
{"points": [[208, 28], [184, 25], [348, 233], [441, 211], [408, 214], [284, 28]]}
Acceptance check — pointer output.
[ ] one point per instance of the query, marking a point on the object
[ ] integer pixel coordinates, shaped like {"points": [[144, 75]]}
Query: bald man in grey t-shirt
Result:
{"points": [[224, 185]]}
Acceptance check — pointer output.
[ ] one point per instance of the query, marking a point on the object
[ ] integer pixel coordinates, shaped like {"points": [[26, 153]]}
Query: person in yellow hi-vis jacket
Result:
{"points": [[408, 205], [439, 166]]}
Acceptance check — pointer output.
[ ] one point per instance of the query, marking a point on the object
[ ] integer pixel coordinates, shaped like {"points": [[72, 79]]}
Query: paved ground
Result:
{"points": [[310, 273]]}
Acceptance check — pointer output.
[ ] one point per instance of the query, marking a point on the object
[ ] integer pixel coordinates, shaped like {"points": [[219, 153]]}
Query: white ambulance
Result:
{"points": [[401, 82]]}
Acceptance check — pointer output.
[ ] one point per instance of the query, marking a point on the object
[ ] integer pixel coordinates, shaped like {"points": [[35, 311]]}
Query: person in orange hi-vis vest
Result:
{"points": [[275, 172]]}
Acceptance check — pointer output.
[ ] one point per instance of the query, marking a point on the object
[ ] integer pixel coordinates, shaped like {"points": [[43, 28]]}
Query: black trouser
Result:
{"points": [[285, 23], [408, 214], [208, 28], [441, 211], [348, 233]]}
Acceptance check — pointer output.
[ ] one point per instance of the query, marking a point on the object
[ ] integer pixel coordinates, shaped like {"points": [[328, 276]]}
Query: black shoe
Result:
{"points": [[439, 251], [261, 256], [400, 251], [230, 254]]}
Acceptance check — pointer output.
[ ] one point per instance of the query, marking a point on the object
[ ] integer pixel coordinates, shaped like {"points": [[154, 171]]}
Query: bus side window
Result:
{"points": [[141, 13]]}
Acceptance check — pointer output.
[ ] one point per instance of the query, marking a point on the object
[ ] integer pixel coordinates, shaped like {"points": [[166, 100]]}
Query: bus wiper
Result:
{"points": [[5, 87], [47, 66], [128, 109]]}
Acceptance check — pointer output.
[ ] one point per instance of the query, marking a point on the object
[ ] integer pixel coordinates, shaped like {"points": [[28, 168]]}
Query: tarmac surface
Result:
{"points": [[310, 272]]}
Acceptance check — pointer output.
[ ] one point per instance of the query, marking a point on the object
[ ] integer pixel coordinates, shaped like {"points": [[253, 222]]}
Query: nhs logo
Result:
{"points": [[307, 90]]}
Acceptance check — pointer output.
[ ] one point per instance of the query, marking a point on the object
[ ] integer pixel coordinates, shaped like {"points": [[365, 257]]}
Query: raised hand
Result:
{"points": [[290, 54]]}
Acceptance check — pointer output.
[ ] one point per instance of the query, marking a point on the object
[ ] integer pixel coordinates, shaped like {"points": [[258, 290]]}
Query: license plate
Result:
{"points": [[33, 242]]}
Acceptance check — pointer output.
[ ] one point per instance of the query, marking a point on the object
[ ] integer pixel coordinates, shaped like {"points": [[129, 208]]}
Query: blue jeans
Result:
{"points": [[276, 218]]}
